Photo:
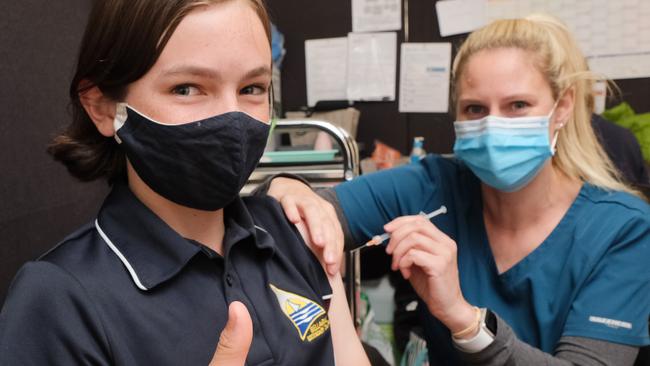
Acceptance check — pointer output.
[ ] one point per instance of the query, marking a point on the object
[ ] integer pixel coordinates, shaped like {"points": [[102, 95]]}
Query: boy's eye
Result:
{"points": [[254, 89], [185, 90]]}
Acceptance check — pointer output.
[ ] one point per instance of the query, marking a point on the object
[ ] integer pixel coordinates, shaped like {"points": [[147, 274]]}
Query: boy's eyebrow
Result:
{"points": [[190, 70], [210, 73], [258, 71]]}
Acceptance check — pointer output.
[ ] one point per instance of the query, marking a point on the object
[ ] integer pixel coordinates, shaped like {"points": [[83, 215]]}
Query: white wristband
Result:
{"points": [[479, 342]]}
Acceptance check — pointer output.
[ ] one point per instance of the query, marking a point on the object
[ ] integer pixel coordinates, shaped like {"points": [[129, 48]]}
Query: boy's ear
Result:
{"points": [[99, 108]]}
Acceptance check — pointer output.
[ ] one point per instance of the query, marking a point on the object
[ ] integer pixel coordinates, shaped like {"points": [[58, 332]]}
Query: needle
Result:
{"points": [[378, 239]]}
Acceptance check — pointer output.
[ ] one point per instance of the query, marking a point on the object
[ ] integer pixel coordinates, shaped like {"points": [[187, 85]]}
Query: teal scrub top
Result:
{"points": [[589, 278]]}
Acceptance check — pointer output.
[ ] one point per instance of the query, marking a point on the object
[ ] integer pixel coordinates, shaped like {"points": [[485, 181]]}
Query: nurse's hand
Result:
{"points": [[303, 206], [235, 339], [427, 258]]}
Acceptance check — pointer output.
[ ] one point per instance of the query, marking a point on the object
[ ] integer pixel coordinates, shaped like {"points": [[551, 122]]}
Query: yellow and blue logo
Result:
{"points": [[309, 318]]}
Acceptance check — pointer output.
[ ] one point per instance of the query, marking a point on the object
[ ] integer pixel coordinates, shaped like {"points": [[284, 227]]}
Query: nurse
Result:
{"points": [[541, 258], [171, 106]]}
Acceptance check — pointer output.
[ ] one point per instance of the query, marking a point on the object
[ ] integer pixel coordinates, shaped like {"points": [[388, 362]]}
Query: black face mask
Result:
{"points": [[202, 164]]}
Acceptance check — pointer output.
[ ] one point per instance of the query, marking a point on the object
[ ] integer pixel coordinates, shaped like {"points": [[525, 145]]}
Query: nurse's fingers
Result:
{"points": [[305, 208], [403, 226], [321, 215], [301, 204], [288, 191], [318, 215], [235, 339], [331, 268], [335, 242], [416, 240], [290, 209], [326, 232], [391, 226], [428, 263]]}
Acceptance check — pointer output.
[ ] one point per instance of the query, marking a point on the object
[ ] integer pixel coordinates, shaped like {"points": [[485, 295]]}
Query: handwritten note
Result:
{"points": [[376, 15], [326, 69], [424, 77], [372, 64], [460, 16]]}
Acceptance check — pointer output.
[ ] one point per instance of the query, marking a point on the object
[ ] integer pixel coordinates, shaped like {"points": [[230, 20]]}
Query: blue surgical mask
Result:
{"points": [[505, 153]]}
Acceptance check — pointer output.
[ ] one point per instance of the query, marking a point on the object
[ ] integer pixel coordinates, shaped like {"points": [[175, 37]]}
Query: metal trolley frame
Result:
{"points": [[322, 174]]}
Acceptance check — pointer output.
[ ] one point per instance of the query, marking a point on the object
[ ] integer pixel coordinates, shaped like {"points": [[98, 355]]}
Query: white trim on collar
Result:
{"points": [[119, 254], [262, 229]]}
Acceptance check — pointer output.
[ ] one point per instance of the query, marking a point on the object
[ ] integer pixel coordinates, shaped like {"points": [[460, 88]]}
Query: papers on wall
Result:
{"points": [[621, 66], [360, 67], [424, 77], [372, 61], [460, 16], [614, 35], [326, 68], [376, 15]]}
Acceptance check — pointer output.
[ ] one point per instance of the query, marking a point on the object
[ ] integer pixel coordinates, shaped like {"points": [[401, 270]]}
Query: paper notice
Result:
{"points": [[424, 77], [326, 68], [376, 15], [372, 65], [460, 16]]}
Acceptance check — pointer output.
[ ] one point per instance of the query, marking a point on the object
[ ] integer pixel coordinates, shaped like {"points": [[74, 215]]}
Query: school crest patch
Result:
{"points": [[309, 318]]}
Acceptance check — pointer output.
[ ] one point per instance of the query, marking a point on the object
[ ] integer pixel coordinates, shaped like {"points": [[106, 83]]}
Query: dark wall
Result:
{"points": [[40, 203], [299, 20]]}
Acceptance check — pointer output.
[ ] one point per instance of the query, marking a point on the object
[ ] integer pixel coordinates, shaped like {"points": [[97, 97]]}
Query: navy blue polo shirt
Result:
{"points": [[128, 290]]}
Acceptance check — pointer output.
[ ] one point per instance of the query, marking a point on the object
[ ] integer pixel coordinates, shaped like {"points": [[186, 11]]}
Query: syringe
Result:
{"points": [[378, 239]]}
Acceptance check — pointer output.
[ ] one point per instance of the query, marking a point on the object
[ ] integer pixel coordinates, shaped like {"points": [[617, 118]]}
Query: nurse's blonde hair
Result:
{"points": [[558, 57]]}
